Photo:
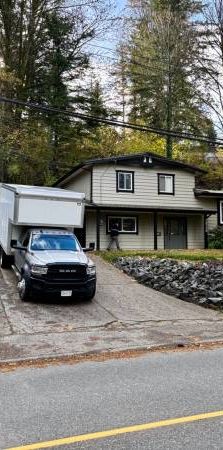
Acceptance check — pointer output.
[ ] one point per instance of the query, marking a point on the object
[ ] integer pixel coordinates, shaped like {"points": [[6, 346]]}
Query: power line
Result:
{"points": [[113, 122], [120, 52], [131, 61], [72, 6]]}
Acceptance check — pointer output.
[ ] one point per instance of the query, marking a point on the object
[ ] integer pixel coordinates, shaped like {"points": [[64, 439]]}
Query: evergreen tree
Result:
{"points": [[41, 48], [95, 104], [162, 48]]}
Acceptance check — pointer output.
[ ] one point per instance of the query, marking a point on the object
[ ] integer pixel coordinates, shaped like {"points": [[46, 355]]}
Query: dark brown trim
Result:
{"points": [[168, 175], [132, 159], [98, 224], [205, 194], [122, 215], [143, 209], [133, 181], [155, 230]]}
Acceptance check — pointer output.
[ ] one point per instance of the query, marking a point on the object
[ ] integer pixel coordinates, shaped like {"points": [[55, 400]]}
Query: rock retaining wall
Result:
{"points": [[200, 283]]}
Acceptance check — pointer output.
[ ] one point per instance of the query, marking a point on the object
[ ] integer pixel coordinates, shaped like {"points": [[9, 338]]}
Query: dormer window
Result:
{"points": [[124, 181], [166, 184]]}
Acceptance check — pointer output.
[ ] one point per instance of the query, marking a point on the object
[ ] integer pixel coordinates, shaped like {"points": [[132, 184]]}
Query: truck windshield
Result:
{"points": [[54, 242]]}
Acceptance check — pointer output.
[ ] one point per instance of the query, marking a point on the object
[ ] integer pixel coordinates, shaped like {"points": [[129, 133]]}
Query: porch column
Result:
{"points": [[155, 229], [98, 218]]}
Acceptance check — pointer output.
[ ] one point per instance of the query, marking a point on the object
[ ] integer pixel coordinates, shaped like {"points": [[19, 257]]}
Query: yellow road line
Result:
{"points": [[118, 431]]}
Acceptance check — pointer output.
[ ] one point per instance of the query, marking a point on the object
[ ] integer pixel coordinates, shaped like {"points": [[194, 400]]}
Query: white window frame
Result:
{"points": [[124, 172], [123, 217], [221, 212], [166, 175]]}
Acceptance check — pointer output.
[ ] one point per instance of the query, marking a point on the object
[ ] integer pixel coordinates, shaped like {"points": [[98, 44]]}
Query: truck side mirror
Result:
{"points": [[90, 248], [16, 246]]}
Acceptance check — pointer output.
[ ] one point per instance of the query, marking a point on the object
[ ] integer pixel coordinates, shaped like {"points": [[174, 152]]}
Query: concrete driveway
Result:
{"points": [[123, 315]]}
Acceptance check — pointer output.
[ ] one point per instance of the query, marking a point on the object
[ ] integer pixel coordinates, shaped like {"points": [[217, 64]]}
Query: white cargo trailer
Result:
{"points": [[33, 206]]}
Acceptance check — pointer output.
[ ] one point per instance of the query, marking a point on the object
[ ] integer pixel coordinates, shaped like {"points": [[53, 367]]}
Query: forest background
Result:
{"points": [[162, 67]]}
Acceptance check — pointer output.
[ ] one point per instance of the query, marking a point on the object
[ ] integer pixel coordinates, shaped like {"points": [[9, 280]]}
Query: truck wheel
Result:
{"points": [[6, 261], [24, 290]]}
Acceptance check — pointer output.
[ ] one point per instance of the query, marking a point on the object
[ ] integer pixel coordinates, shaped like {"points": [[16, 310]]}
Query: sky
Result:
{"points": [[103, 51]]}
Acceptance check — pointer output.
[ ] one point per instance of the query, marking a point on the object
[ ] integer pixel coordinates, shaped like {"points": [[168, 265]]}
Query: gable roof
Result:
{"points": [[152, 159]]}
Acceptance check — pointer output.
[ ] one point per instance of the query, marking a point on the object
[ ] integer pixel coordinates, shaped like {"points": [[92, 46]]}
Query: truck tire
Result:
{"points": [[24, 290], [90, 295], [6, 261]]}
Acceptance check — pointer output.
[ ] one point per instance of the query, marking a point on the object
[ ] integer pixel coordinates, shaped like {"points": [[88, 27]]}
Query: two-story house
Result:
{"points": [[153, 200]]}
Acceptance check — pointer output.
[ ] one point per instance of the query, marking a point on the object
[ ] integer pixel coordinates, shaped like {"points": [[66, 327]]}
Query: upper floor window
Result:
{"points": [[166, 184], [124, 181]]}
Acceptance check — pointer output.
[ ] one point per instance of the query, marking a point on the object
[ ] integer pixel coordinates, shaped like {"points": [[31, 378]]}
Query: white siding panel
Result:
{"points": [[212, 222], [195, 232], [146, 188], [81, 183], [142, 240]]}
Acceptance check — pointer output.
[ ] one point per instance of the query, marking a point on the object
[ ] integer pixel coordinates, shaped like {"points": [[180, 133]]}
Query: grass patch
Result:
{"points": [[185, 255]]}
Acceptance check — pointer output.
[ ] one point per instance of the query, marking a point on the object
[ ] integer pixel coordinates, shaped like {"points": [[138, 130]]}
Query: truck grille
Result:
{"points": [[66, 272]]}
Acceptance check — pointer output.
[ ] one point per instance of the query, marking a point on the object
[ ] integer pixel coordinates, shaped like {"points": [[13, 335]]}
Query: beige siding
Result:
{"points": [[212, 222], [195, 232], [145, 238], [81, 183], [146, 189]]}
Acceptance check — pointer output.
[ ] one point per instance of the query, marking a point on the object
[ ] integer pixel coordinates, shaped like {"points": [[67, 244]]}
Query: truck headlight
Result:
{"points": [[39, 270], [91, 270]]}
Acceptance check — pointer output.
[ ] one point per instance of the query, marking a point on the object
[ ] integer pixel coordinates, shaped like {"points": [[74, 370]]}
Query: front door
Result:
{"points": [[175, 232]]}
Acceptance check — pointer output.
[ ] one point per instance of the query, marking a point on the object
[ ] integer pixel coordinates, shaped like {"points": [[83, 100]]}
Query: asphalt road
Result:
{"points": [[62, 401]]}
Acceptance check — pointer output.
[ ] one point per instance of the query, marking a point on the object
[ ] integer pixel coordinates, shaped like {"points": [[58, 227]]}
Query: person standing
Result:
{"points": [[114, 233]]}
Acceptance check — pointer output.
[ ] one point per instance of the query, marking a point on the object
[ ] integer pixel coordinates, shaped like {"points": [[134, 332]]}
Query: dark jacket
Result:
{"points": [[114, 231]]}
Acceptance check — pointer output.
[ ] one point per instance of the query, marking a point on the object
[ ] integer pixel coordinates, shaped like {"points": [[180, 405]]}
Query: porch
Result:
{"points": [[144, 228]]}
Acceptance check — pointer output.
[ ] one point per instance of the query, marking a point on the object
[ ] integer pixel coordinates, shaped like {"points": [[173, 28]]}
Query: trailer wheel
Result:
{"points": [[6, 261], [24, 290]]}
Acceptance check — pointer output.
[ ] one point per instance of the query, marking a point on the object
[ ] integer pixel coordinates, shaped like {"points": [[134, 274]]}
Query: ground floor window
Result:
{"points": [[125, 224]]}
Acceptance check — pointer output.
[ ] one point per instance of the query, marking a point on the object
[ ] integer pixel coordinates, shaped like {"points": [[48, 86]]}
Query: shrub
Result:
{"points": [[215, 239]]}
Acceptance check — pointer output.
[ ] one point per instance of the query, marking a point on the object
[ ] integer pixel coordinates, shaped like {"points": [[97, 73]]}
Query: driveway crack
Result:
{"points": [[6, 316], [108, 311]]}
